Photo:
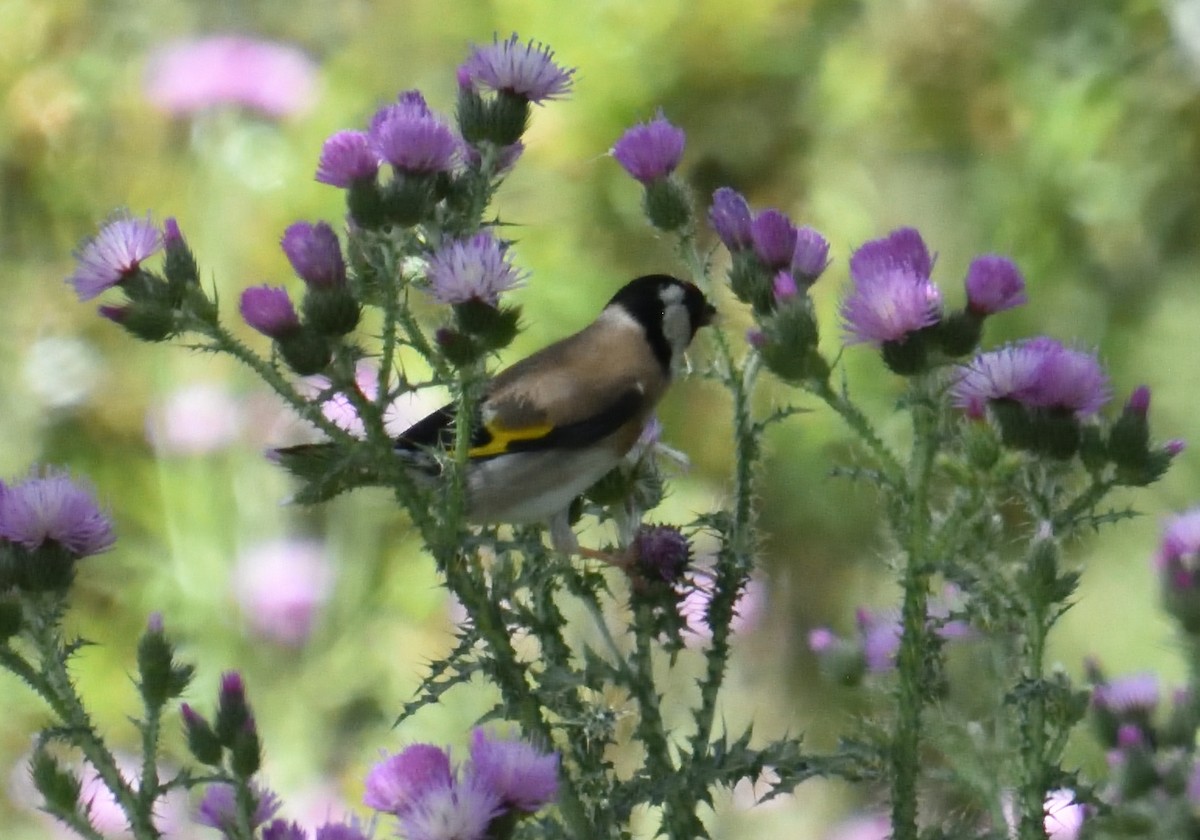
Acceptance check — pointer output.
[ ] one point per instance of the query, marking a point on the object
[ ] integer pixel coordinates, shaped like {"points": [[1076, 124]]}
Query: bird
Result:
{"points": [[551, 425]]}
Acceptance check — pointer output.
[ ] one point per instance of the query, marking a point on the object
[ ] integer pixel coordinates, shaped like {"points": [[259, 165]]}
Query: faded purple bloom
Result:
{"points": [[270, 311], [1064, 816], [1181, 542], [1174, 446], [903, 248], [527, 70], [412, 138], [347, 157], [774, 238], [730, 217], [472, 269], [1139, 401], [1039, 373], [994, 284], [747, 610], [281, 586], [822, 640], [650, 151], [113, 254], [400, 781], [1136, 694], [880, 636], [784, 286], [756, 338], [218, 807], [521, 776], [405, 410], [195, 420], [275, 79], [170, 811], [811, 255], [53, 508], [889, 306], [461, 811], [315, 254], [662, 551]]}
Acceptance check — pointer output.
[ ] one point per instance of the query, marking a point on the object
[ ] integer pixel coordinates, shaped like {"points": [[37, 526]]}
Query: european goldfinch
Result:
{"points": [[554, 423]]}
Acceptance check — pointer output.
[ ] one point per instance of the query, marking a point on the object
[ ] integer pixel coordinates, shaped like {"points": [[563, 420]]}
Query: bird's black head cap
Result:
{"points": [[648, 299]]}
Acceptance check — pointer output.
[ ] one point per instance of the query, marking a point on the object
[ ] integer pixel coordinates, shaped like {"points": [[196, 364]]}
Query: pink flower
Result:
{"points": [[277, 80], [281, 586]]}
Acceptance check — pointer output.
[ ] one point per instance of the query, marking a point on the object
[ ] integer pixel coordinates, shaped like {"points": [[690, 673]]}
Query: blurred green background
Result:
{"points": [[1065, 135]]}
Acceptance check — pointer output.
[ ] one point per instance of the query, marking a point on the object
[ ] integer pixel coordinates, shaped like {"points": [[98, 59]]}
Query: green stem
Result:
{"points": [[1033, 732], [1085, 501], [225, 342], [56, 687], [509, 676], [860, 425], [650, 725], [914, 641]]}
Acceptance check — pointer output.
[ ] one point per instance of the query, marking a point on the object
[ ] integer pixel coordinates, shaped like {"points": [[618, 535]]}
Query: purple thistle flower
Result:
{"points": [[412, 138], [172, 237], [662, 551], [274, 79], [994, 284], [218, 807], [730, 217], [284, 830], [1007, 373], [281, 586], [347, 157], [521, 776], [1069, 379], [1064, 816], [890, 305], [1179, 550], [880, 636], [400, 781], [116, 314], [460, 811], [811, 255], [113, 255], [650, 151], [351, 830], [526, 70], [53, 508], [270, 311], [784, 286], [410, 104], [1139, 401], [315, 254], [1038, 373], [774, 239], [902, 248], [472, 269], [822, 640], [1174, 446], [1136, 694]]}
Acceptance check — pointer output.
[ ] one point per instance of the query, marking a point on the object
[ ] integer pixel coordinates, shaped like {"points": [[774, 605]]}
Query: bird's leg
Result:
{"points": [[562, 538]]}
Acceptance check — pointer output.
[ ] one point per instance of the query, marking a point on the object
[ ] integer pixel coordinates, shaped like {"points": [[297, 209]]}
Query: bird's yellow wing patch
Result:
{"points": [[500, 439]]}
